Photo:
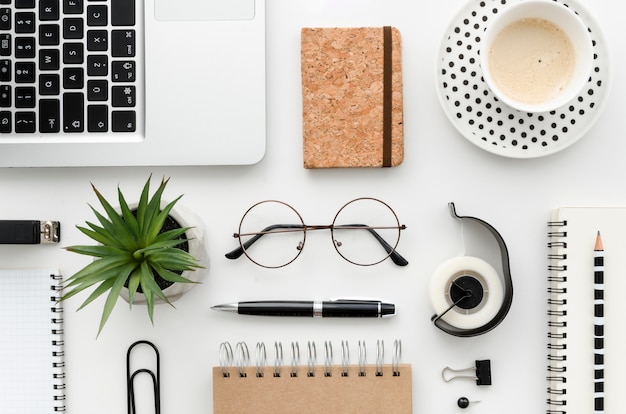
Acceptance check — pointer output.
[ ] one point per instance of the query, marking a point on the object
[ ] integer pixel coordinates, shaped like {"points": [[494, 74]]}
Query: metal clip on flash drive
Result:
{"points": [[29, 232]]}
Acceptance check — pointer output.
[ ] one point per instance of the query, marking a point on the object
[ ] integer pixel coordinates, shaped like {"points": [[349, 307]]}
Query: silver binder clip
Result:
{"points": [[482, 373]]}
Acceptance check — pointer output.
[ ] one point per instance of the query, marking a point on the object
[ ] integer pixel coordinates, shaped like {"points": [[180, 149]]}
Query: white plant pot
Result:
{"points": [[197, 248]]}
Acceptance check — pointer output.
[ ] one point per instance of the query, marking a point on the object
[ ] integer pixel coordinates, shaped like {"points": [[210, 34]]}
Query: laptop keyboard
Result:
{"points": [[69, 67]]}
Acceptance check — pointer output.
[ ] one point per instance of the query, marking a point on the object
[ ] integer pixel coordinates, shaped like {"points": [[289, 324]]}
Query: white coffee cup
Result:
{"points": [[536, 55]]}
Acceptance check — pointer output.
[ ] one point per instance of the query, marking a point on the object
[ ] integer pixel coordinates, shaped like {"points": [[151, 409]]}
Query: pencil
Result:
{"points": [[598, 276]]}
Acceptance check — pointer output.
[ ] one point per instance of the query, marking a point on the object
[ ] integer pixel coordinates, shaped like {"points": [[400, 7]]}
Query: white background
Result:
{"points": [[515, 196]]}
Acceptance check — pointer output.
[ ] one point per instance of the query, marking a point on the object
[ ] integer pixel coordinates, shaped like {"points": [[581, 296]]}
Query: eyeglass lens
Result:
{"points": [[365, 231], [281, 235]]}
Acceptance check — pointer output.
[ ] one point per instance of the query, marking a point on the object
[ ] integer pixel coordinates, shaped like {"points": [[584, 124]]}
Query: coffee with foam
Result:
{"points": [[536, 55], [532, 60]]}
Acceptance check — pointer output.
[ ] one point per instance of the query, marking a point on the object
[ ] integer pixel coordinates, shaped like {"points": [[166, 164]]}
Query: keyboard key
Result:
{"points": [[73, 28], [123, 12], [5, 19], [5, 44], [123, 71], [49, 115], [97, 118], [24, 22], [24, 72], [49, 84], [97, 40], [123, 121], [6, 123], [24, 47], [25, 97], [73, 6], [49, 59], [97, 65], [73, 78], [5, 70], [73, 53], [123, 96], [6, 96], [49, 35], [123, 43], [25, 122], [73, 112], [97, 90], [24, 4], [97, 15], [48, 10]]}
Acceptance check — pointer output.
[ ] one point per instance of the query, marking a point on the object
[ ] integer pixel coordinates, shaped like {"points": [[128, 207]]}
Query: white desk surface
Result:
{"points": [[515, 196]]}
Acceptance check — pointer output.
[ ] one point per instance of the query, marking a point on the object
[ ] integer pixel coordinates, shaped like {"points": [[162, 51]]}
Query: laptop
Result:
{"points": [[132, 82]]}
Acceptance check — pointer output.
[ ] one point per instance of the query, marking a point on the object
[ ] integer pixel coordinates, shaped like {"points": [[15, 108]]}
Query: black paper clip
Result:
{"points": [[482, 373], [156, 379]]}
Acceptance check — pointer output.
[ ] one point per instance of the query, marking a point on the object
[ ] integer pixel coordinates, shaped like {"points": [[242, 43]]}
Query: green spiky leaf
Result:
{"points": [[132, 249]]}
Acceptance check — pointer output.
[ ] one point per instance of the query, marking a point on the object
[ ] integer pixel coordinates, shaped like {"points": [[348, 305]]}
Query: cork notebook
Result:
{"points": [[352, 97]]}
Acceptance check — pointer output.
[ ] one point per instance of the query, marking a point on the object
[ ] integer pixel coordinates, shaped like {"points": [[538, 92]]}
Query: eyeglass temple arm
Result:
{"points": [[393, 253], [238, 252]]}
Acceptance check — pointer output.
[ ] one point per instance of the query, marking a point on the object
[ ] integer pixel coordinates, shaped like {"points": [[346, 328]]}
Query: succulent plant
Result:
{"points": [[132, 251]]}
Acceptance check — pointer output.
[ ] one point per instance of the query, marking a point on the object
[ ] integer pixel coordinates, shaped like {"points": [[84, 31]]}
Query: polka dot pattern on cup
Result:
{"points": [[492, 125]]}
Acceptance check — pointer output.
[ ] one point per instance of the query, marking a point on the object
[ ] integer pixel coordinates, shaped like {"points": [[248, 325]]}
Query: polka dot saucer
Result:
{"points": [[492, 125]]}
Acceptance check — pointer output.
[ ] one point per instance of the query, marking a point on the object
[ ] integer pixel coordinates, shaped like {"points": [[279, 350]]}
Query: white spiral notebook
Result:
{"points": [[31, 345], [578, 383]]}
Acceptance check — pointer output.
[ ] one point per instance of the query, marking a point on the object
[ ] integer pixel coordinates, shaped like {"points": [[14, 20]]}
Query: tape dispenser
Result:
{"points": [[468, 295]]}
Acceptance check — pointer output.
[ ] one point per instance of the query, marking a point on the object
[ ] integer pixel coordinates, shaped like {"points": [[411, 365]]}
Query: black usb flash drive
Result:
{"points": [[29, 232]]}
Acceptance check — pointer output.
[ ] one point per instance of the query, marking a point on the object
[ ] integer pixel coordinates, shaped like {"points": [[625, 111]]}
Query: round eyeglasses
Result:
{"points": [[365, 231]]}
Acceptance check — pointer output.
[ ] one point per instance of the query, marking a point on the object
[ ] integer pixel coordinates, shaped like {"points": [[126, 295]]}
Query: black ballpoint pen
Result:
{"points": [[343, 308]]}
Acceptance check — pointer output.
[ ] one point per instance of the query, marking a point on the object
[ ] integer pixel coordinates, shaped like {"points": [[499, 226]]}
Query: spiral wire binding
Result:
{"points": [[328, 358], [226, 358], [557, 323], [380, 356], [58, 352], [362, 358], [312, 359], [295, 359], [345, 358], [240, 359], [395, 359], [261, 358], [278, 360]]}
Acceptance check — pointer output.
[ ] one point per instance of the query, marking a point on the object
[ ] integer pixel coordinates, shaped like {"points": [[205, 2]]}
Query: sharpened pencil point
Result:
{"points": [[598, 246]]}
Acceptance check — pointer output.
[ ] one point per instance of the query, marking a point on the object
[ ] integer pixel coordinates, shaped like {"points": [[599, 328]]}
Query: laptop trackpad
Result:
{"points": [[199, 10]]}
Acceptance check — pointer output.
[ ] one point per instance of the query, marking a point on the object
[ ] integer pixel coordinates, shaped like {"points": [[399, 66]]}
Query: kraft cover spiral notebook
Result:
{"points": [[31, 345], [585, 374], [352, 107], [277, 385]]}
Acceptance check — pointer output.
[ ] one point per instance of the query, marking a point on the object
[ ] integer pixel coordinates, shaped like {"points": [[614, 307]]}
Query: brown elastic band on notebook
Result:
{"points": [[387, 95]]}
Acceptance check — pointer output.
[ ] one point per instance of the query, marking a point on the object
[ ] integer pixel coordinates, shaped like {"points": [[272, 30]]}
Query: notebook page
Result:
{"points": [[27, 354]]}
